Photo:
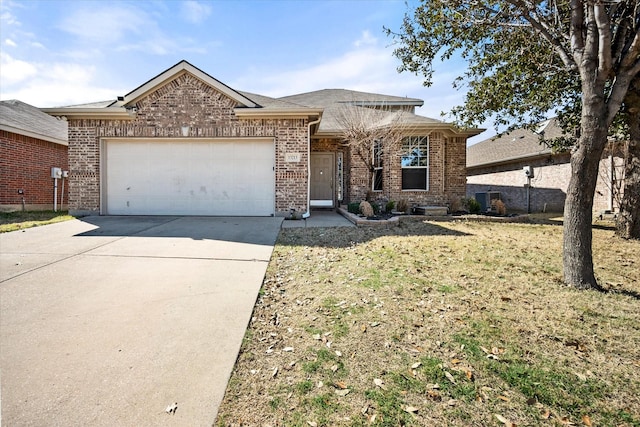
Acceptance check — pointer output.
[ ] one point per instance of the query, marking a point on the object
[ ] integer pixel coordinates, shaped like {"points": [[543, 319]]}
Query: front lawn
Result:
{"points": [[12, 221], [455, 323]]}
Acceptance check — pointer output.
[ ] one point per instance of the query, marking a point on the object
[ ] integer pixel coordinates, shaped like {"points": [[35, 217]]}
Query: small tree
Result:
{"points": [[372, 133]]}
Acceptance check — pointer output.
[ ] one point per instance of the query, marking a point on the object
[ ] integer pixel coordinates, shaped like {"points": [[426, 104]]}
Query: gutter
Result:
{"points": [[307, 214], [92, 113], [243, 112], [508, 160]]}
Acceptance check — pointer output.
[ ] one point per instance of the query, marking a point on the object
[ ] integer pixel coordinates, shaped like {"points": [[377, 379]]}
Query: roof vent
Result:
{"points": [[121, 98]]}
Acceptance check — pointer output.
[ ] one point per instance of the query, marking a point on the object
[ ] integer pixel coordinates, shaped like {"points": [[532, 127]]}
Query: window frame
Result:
{"points": [[415, 149], [377, 164]]}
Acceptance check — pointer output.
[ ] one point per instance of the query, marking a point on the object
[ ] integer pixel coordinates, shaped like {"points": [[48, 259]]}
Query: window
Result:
{"points": [[340, 175], [377, 166], [415, 163]]}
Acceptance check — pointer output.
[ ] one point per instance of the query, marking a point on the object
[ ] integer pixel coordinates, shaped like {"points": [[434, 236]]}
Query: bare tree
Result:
{"points": [[372, 133]]}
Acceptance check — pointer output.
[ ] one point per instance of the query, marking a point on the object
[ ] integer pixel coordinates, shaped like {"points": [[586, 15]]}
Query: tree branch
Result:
{"points": [[604, 40], [575, 32], [544, 30]]}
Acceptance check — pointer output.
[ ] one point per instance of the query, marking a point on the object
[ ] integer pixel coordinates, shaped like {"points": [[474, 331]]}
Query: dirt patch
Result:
{"points": [[439, 323]]}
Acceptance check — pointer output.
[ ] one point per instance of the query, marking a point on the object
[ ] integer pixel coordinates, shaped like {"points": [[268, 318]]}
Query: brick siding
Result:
{"points": [[548, 187], [25, 163], [186, 101], [447, 159]]}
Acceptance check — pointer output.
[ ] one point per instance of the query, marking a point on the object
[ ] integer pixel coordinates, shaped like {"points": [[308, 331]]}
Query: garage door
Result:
{"points": [[203, 177]]}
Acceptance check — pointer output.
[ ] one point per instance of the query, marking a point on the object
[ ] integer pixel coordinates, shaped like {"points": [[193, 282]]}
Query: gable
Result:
{"points": [[181, 69], [183, 100]]}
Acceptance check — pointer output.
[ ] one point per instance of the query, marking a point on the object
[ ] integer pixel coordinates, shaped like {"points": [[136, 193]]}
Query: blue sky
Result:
{"points": [[57, 53]]}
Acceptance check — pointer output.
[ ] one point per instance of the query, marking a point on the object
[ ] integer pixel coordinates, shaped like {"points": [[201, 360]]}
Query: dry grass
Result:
{"points": [[12, 221], [453, 323]]}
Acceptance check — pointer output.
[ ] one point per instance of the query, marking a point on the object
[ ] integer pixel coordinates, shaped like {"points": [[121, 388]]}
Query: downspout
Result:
{"points": [[307, 214]]}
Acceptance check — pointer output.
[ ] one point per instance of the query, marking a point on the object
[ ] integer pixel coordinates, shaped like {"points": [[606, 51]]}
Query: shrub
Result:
{"points": [[366, 209], [473, 206], [354, 208], [499, 207], [456, 205], [403, 205], [390, 205], [376, 208]]}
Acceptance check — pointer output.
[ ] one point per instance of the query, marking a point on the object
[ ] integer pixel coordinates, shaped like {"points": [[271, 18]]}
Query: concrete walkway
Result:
{"points": [[320, 218], [106, 321]]}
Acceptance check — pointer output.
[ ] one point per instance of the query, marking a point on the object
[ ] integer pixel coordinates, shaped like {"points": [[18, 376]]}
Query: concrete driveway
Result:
{"points": [[106, 321]]}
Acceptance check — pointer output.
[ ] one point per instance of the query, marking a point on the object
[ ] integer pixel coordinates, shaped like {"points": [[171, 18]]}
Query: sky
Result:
{"points": [[56, 53]]}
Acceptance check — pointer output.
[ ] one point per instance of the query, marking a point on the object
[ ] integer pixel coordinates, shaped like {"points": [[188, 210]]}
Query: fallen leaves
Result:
{"points": [[379, 383], [172, 408], [410, 409], [505, 421]]}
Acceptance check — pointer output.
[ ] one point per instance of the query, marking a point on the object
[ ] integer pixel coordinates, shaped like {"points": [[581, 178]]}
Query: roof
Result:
{"points": [[327, 103], [247, 104], [388, 108], [327, 97], [513, 146], [24, 119]]}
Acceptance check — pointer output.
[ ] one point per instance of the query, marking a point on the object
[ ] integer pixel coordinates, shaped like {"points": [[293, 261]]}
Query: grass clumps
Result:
{"points": [[439, 323], [20, 220]]}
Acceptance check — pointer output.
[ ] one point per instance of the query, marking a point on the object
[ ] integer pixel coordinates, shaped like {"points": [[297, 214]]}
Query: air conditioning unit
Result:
{"points": [[485, 198]]}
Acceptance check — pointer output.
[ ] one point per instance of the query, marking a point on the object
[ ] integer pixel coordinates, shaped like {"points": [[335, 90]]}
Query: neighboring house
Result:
{"points": [[31, 143], [499, 164], [184, 143]]}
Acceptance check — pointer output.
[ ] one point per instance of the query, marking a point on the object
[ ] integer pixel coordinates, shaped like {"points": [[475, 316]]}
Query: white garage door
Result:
{"points": [[189, 177]]}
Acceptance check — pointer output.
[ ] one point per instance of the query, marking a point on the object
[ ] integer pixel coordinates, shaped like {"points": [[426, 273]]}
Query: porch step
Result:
{"points": [[430, 210]]}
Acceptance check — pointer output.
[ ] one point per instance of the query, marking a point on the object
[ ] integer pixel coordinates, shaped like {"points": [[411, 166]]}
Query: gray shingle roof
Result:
{"points": [[326, 97], [518, 144], [21, 118], [268, 102], [336, 101]]}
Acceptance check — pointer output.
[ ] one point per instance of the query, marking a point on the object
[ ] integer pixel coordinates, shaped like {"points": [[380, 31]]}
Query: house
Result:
{"points": [[184, 143], [31, 143], [530, 177]]}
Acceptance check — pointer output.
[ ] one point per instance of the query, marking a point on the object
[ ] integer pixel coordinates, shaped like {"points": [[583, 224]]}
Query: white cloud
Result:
{"points": [[14, 70], [195, 12], [10, 42], [104, 25], [51, 84], [366, 39]]}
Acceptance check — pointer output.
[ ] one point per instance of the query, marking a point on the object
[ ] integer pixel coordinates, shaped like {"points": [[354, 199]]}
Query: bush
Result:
{"points": [[403, 206], [456, 205], [390, 205], [376, 208], [354, 208], [499, 207], [473, 206]]}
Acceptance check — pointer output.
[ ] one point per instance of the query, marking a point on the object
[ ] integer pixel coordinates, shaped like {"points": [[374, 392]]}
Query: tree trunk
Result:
{"points": [[628, 224], [578, 209]]}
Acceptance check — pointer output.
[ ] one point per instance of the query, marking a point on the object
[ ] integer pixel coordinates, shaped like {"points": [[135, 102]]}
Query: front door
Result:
{"points": [[322, 177]]}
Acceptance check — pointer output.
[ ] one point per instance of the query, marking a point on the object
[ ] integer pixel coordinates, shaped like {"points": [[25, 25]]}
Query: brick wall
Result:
{"points": [[447, 159], [186, 101], [25, 163], [548, 187]]}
